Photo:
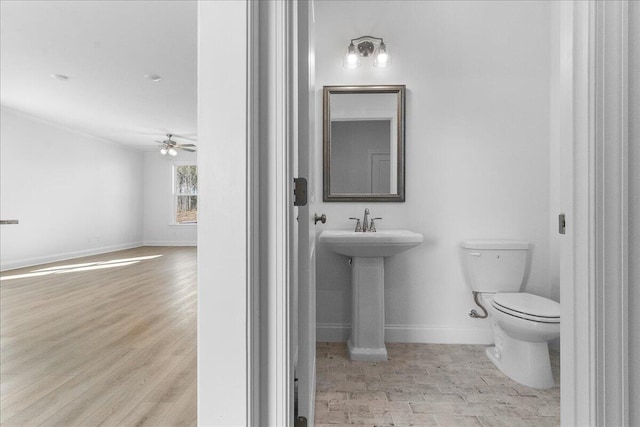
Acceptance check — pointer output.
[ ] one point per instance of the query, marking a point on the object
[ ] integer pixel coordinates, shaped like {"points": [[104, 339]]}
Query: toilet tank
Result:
{"points": [[494, 265]]}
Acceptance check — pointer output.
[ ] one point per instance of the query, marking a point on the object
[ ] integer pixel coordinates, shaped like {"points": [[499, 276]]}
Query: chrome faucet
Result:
{"points": [[365, 221], [367, 225]]}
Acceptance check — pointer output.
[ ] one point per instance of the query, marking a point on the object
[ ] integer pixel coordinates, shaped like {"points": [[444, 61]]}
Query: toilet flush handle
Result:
{"points": [[475, 254]]}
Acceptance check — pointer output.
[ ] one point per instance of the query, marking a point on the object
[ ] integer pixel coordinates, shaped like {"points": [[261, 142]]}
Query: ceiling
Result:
{"points": [[106, 48]]}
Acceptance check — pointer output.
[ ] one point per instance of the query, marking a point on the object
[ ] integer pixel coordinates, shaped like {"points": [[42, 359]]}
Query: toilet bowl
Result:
{"points": [[523, 323], [522, 331]]}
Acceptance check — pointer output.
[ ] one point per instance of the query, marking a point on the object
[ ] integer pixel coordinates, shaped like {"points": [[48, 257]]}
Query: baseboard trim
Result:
{"points": [[169, 243], [333, 332], [12, 265]]}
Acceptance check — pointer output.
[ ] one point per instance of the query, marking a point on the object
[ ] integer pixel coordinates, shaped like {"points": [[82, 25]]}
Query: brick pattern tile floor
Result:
{"points": [[427, 385]]}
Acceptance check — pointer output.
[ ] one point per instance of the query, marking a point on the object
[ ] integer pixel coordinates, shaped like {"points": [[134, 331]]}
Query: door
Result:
{"points": [[380, 165], [306, 314]]}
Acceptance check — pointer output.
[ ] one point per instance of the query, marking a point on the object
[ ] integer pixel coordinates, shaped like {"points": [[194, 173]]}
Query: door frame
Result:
{"points": [[594, 345], [272, 81], [244, 126]]}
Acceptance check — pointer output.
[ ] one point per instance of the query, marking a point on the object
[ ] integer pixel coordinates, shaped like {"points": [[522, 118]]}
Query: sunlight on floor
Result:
{"points": [[73, 268]]}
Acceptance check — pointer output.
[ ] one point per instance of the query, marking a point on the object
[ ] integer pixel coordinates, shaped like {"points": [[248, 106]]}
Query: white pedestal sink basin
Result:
{"points": [[377, 244], [367, 281]]}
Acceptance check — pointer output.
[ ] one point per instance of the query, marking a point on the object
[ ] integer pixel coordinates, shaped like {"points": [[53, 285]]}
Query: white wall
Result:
{"points": [[224, 396], [477, 152], [73, 194], [158, 202]]}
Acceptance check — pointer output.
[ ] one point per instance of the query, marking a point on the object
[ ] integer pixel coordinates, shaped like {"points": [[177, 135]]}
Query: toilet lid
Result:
{"points": [[528, 305]]}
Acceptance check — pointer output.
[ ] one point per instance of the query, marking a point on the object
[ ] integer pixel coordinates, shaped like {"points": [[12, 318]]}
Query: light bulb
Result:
{"points": [[163, 151], [382, 58], [173, 152], [351, 59]]}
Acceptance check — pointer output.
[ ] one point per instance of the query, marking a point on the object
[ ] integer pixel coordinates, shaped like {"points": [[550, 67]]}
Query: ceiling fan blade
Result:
{"points": [[164, 132], [185, 145], [192, 150], [183, 137]]}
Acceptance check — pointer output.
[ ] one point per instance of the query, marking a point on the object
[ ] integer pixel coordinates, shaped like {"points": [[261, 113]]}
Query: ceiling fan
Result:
{"points": [[170, 146]]}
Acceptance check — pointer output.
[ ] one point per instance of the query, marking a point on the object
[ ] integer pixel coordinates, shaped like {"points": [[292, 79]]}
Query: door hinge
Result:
{"points": [[299, 192], [298, 421], [562, 224]]}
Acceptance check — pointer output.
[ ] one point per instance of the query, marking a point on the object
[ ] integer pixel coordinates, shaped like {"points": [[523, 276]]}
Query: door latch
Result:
{"points": [[562, 224], [299, 192]]}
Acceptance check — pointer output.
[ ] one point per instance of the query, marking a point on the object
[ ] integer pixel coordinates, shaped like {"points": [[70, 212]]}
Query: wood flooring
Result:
{"points": [[104, 340]]}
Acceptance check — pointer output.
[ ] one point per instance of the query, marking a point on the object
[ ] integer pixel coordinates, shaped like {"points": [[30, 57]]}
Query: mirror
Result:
{"points": [[363, 143]]}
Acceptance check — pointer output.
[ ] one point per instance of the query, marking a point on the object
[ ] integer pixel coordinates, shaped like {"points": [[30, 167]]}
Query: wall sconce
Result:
{"points": [[365, 47]]}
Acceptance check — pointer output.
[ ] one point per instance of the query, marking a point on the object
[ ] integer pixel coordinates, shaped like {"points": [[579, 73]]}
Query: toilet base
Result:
{"points": [[525, 362]]}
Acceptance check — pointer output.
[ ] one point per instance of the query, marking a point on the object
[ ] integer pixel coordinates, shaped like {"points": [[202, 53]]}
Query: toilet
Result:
{"points": [[523, 323]]}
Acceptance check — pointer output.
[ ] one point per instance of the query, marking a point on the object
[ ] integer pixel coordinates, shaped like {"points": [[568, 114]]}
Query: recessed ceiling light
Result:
{"points": [[153, 77], [60, 77]]}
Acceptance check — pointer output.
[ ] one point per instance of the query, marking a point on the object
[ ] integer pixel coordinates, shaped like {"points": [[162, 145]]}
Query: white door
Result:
{"points": [[306, 314], [380, 165]]}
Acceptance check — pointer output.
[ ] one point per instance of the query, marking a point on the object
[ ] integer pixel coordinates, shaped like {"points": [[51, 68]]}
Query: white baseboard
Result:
{"points": [[169, 243], [333, 332], [11, 265]]}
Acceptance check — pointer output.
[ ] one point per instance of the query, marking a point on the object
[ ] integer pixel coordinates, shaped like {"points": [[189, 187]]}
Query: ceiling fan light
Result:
{"points": [[173, 152], [164, 151]]}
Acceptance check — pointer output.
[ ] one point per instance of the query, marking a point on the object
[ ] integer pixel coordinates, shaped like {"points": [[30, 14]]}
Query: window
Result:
{"points": [[185, 194]]}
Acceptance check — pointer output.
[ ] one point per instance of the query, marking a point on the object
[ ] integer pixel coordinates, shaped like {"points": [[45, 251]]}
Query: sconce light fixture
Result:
{"points": [[365, 47]]}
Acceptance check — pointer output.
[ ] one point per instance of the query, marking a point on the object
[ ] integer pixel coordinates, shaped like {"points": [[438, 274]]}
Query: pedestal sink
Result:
{"points": [[367, 251]]}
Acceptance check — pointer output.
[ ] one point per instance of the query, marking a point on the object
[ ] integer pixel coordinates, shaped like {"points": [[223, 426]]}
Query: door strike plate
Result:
{"points": [[562, 224]]}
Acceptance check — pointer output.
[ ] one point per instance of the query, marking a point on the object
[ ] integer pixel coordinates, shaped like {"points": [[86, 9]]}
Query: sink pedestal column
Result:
{"points": [[367, 330]]}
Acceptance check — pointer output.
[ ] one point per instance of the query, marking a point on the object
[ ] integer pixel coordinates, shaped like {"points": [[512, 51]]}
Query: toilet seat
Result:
{"points": [[527, 306]]}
